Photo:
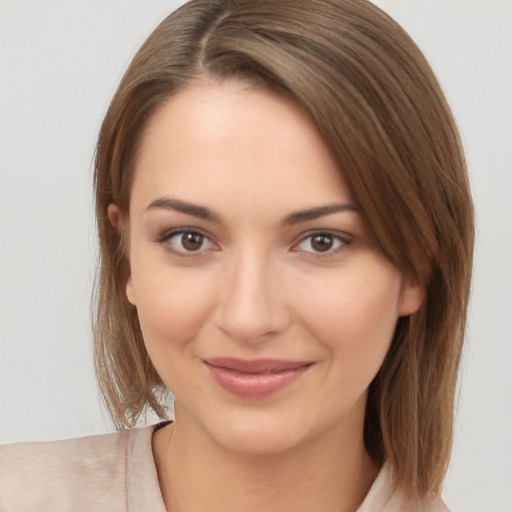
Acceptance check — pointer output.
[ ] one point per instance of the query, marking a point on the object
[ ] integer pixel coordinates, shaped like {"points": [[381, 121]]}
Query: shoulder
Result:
{"points": [[87, 472], [385, 497]]}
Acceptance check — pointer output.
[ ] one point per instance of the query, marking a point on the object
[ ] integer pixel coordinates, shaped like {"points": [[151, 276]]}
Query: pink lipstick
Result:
{"points": [[257, 378]]}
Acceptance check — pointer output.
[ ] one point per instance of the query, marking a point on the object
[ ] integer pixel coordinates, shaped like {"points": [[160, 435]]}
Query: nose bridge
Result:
{"points": [[251, 305]]}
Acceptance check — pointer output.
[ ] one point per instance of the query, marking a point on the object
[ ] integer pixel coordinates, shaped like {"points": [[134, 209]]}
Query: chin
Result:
{"points": [[258, 440], [253, 431]]}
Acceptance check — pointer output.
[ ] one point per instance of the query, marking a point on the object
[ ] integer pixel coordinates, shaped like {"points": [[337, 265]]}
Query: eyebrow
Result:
{"points": [[195, 210], [201, 212], [320, 211]]}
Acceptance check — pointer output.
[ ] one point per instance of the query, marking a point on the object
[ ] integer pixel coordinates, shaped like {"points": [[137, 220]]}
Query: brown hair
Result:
{"points": [[381, 111]]}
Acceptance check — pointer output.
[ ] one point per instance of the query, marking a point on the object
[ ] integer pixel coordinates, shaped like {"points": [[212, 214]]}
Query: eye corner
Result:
{"points": [[333, 243], [204, 243]]}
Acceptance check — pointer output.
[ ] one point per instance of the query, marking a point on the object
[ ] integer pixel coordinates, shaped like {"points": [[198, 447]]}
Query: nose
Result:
{"points": [[252, 305]]}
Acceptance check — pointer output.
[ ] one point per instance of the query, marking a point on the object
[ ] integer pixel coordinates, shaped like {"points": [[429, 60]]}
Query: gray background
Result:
{"points": [[60, 62]]}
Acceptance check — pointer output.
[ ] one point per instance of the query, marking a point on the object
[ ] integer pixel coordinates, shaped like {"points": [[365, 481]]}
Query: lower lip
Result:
{"points": [[255, 385]]}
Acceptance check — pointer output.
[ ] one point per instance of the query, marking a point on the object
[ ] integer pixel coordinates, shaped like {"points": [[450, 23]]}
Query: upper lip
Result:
{"points": [[255, 365]]}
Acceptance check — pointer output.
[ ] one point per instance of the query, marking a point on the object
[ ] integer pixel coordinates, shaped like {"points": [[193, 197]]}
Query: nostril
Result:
{"points": [[250, 306]]}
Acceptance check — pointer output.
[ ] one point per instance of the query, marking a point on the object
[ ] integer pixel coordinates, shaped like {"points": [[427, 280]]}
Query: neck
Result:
{"points": [[329, 473]]}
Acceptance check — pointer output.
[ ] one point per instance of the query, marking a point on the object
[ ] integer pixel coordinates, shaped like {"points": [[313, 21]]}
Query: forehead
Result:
{"points": [[232, 142]]}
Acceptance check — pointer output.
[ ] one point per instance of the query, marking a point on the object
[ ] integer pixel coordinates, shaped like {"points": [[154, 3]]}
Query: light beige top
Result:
{"points": [[116, 472]]}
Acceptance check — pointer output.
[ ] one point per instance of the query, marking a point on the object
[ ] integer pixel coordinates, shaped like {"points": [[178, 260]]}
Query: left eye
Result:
{"points": [[187, 242], [320, 243]]}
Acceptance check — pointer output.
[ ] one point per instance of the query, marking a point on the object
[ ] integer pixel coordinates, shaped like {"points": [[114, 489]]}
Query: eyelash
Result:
{"points": [[165, 239], [343, 241]]}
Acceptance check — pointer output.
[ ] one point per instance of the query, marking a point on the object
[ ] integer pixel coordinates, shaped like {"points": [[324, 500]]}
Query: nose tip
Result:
{"points": [[251, 305]]}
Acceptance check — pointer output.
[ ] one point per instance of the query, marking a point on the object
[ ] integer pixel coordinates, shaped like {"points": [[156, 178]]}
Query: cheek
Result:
{"points": [[355, 320], [172, 304]]}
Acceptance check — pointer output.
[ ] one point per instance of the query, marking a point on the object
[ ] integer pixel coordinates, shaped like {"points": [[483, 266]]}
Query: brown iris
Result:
{"points": [[192, 241], [322, 242]]}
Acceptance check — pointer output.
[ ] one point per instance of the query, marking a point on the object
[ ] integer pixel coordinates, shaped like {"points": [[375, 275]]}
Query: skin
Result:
{"points": [[257, 286]]}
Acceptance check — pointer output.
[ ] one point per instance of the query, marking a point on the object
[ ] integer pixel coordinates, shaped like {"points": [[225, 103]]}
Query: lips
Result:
{"points": [[257, 378]]}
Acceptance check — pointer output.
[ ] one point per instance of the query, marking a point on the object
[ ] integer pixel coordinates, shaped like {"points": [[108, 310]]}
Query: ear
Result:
{"points": [[114, 216], [411, 297], [116, 220], [130, 294]]}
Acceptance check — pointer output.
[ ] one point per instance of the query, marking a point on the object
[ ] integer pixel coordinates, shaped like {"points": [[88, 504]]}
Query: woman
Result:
{"points": [[286, 237]]}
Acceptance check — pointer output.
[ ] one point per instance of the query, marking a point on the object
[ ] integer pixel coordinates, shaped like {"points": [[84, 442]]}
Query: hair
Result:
{"points": [[381, 112]]}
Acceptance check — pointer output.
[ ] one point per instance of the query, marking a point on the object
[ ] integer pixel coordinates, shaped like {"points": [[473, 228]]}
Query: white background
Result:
{"points": [[60, 62]]}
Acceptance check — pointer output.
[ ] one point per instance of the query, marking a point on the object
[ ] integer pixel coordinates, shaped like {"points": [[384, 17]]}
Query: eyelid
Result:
{"points": [[170, 233], [345, 238]]}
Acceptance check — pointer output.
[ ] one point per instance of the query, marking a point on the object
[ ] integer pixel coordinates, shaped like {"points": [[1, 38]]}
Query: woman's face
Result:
{"points": [[265, 305]]}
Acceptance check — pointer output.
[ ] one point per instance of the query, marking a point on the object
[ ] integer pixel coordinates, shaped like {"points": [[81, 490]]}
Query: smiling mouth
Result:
{"points": [[256, 379]]}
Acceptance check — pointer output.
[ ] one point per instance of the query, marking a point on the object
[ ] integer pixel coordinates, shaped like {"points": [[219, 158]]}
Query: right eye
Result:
{"points": [[186, 242]]}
